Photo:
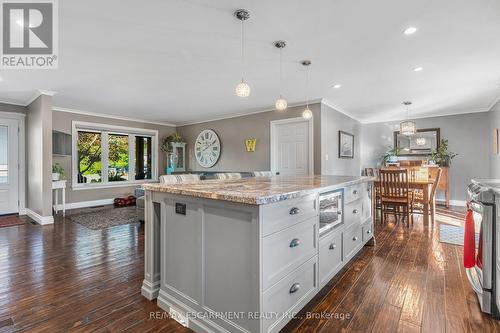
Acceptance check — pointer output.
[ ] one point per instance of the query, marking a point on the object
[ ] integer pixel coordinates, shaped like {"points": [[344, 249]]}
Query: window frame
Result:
{"points": [[105, 130]]}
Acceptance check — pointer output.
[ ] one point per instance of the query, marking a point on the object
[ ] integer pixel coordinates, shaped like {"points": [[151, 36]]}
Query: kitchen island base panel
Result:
{"points": [[152, 210]]}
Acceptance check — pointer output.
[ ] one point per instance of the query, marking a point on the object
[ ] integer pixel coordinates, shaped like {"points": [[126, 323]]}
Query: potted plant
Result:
{"points": [[441, 155], [57, 172], [391, 156], [165, 145]]}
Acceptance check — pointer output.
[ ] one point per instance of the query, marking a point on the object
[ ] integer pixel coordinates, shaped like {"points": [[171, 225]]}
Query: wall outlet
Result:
{"points": [[179, 317]]}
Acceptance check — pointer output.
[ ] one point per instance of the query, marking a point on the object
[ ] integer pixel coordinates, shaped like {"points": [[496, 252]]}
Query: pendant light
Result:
{"points": [[408, 127], [281, 103], [307, 113], [242, 89]]}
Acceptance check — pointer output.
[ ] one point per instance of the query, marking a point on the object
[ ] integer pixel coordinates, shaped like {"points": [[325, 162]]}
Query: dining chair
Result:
{"points": [[369, 172], [419, 200], [395, 194]]}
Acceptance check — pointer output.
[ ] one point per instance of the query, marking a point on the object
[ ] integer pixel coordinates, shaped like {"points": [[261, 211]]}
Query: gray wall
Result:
{"points": [[332, 122], [233, 132], [468, 136], [39, 155], [62, 122], [4, 107], [494, 119]]}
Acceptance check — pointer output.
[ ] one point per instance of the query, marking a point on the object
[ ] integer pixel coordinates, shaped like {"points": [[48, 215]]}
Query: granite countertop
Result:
{"points": [[258, 190]]}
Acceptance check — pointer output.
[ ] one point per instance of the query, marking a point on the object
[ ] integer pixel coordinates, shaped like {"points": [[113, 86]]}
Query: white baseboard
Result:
{"points": [[85, 204], [460, 203], [43, 220]]}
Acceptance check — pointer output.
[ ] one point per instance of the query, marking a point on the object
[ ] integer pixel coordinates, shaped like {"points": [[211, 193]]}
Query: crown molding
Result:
{"points": [[109, 116], [328, 103], [38, 93], [495, 101], [270, 109]]}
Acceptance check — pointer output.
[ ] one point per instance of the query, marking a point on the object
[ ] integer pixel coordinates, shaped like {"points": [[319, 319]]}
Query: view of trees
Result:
{"points": [[90, 157]]}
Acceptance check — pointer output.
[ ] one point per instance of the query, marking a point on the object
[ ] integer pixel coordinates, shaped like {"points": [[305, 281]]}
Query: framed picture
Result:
{"points": [[346, 145]]}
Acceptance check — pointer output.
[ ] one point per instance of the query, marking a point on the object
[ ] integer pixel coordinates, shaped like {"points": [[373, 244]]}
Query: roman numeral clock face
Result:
{"points": [[207, 148]]}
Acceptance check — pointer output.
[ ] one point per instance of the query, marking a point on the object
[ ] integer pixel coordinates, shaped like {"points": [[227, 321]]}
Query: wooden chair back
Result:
{"points": [[369, 172], [436, 183], [394, 184]]}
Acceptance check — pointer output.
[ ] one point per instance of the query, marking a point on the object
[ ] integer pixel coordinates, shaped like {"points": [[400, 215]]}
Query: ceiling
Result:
{"points": [[179, 61]]}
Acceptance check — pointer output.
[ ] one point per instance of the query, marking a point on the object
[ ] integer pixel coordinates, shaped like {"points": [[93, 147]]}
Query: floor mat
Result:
{"points": [[104, 218], [453, 234], [10, 221]]}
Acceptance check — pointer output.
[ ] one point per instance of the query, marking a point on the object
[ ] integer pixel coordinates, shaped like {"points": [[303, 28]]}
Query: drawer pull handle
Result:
{"points": [[355, 238], [333, 246], [355, 192], [355, 211], [294, 211], [295, 287], [295, 242]]}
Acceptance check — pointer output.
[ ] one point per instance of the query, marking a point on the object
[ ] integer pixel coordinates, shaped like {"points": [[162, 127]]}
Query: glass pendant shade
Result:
{"points": [[408, 127], [281, 104], [242, 89], [307, 114]]}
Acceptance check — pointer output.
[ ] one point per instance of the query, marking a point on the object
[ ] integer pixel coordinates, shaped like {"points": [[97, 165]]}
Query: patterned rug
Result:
{"points": [[453, 234], [10, 221], [104, 217]]}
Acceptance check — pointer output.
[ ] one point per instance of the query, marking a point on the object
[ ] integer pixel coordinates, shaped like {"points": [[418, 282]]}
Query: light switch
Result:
{"points": [[326, 157]]}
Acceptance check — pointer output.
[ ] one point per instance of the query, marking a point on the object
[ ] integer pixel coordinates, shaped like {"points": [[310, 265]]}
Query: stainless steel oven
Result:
{"points": [[331, 205], [483, 276]]}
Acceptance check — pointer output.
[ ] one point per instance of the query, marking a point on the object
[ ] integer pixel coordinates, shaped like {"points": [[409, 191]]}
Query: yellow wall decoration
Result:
{"points": [[250, 144]]}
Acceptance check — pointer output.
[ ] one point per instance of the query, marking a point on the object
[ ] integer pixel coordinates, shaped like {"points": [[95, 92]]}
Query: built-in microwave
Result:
{"points": [[331, 205]]}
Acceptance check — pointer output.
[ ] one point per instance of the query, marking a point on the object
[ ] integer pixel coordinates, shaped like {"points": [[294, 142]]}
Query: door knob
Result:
{"points": [[333, 246], [295, 242]]}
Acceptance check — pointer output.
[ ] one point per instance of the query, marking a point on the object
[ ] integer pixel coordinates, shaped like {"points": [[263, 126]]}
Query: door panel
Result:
{"points": [[9, 173], [292, 148]]}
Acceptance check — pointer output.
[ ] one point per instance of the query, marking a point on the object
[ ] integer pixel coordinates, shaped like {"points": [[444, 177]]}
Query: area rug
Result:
{"points": [[10, 221], [453, 234], [103, 218]]}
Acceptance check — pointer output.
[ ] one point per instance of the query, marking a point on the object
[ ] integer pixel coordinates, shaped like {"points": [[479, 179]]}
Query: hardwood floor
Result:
{"points": [[68, 278]]}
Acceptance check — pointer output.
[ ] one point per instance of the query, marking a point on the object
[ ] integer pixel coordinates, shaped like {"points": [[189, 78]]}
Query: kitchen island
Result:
{"points": [[246, 255]]}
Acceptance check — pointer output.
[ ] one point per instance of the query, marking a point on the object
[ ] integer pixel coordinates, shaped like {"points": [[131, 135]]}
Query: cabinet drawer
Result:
{"points": [[367, 231], [289, 295], [352, 213], [283, 214], [284, 251], [353, 193], [352, 241], [330, 257]]}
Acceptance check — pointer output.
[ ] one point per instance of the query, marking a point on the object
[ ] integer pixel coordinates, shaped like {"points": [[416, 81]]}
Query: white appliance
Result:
{"points": [[484, 197]]}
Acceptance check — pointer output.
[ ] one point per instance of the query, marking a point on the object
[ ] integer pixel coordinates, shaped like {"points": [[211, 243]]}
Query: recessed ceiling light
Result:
{"points": [[418, 69], [337, 86], [410, 31]]}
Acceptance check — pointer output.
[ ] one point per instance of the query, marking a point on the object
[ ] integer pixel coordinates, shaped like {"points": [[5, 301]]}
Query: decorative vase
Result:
{"points": [[56, 176]]}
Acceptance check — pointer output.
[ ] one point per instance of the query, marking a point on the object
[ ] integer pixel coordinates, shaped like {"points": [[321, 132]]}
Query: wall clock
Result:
{"points": [[207, 148]]}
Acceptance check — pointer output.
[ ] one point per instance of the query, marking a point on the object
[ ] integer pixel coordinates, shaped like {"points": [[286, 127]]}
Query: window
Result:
{"points": [[107, 156], [118, 158]]}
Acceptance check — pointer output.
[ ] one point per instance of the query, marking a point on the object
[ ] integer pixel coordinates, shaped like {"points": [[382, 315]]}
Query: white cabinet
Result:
{"points": [[330, 256]]}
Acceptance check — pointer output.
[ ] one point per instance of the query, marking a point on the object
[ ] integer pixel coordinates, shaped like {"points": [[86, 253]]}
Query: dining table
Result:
{"points": [[421, 185]]}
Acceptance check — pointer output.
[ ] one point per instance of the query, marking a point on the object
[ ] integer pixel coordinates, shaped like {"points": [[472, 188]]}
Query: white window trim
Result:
{"points": [[105, 129]]}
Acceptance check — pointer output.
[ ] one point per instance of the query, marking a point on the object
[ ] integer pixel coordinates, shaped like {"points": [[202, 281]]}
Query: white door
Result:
{"points": [[9, 172], [290, 154]]}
